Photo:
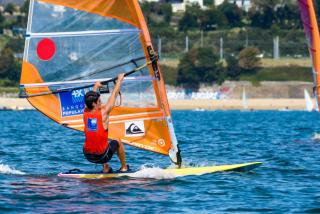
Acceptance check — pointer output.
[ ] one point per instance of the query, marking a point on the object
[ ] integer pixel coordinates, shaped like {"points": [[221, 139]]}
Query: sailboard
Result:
{"points": [[72, 44], [309, 103], [173, 172], [244, 100], [310, 25]]}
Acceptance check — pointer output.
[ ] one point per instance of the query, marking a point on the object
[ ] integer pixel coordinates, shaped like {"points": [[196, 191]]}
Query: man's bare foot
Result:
{"points": [[106, 168], [124, 169]]}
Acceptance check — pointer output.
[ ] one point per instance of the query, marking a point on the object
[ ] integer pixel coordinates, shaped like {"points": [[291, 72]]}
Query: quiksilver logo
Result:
{"points": [[133, 129]]}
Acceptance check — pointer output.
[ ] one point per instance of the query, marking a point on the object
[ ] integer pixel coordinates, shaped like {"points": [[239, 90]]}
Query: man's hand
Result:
{"points": [[115, 92], [120, 77], [97, 85]]}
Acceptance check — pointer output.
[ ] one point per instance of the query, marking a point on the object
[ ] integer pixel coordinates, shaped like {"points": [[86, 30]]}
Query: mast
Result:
{"points": [[174, 152]]}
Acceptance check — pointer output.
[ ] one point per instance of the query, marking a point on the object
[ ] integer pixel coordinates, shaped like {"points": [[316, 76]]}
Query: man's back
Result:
{"points": [[96, 135]]}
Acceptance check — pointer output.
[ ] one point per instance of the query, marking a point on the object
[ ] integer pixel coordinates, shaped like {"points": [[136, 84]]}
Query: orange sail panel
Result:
{"points": [[120, 9], [72, 44], [309, 21]]}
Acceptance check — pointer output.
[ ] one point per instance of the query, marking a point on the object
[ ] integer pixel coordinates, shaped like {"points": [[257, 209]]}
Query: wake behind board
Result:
{"points": [[175, 172]]}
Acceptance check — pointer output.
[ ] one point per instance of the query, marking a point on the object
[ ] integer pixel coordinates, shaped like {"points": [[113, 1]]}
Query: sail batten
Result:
{"points": [[83, 33], [70, 83]]}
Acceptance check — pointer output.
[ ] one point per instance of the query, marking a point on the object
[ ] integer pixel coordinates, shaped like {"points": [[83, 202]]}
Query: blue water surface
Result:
{"points": [[287, 182]]}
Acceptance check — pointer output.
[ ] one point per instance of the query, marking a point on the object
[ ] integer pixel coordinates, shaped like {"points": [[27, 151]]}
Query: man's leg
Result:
{"points": [[106, 168], [122, 156]]}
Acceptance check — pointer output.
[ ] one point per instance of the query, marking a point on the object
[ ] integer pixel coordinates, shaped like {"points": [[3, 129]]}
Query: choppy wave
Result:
{"points": [[5, 169], [280, 140]]}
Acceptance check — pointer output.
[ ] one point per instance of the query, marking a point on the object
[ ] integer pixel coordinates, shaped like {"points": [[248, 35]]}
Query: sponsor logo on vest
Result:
{"points": [[134, 128], [92, 124]]}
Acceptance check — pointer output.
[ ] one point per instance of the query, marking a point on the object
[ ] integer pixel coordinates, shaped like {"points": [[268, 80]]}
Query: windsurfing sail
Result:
{"points": [[72, 44], [310, 25], [309, 103], [244, 99]]}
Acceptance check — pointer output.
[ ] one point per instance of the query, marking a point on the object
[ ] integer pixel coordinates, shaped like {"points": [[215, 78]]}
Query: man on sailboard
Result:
{"points": [[97, 147]]}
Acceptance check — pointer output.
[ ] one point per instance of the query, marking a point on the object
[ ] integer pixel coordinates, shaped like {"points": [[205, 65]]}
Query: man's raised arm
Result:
{"points": [[96, 86], [112, 99]]}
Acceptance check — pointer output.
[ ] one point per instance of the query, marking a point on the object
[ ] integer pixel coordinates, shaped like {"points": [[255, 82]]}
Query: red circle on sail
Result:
{"points": [[46, 49]]}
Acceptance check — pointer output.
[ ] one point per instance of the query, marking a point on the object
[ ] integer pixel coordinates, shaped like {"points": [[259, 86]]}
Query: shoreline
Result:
{"points": [[237, 104], [226, 104]]}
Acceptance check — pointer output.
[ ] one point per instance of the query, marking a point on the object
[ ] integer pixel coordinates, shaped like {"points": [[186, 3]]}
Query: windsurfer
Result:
{"points": [[97, 147]]}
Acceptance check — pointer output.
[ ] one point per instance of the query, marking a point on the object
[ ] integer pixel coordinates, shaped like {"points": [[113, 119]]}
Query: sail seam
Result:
{"points": [[122, 121], [117, 121], [111, 117], [82, 33], [135, 119]]}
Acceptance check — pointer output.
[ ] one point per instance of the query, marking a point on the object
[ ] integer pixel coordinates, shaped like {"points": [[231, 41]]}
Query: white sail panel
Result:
{"points": [[88, 57]]}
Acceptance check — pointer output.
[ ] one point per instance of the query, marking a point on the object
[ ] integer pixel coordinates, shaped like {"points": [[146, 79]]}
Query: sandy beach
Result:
{"points": [[229, 104], [226, 104]]}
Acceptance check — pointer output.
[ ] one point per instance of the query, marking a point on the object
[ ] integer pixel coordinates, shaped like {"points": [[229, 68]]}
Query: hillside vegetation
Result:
{"points": [[246, 38]]}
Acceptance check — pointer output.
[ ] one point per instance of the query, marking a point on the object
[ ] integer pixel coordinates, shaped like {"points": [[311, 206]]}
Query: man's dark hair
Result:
{"points": [[90, 98]]}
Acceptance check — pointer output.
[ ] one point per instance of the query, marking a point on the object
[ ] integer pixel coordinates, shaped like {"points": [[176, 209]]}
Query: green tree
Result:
{"points": [[261, 4], [212, 19], [232, 12], [16, 45], [263, 18], [200, 65], [262, 14], [25, 7], [283, 13], [233, 69], [316, 5], [6, 60], [9, 66], [2, 21], [248, 59], [189, 21], [169, 74], [10, 8], [288, 17], [157, 14], [208, 2]]}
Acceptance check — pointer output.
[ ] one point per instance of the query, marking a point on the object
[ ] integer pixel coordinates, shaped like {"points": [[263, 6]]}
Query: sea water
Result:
{"points": [[34, 149]]}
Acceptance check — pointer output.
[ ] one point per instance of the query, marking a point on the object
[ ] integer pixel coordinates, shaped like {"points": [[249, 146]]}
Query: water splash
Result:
{"points": [[155, 172], [5, 169], [191, 164], [152, 172], [316, 137]]}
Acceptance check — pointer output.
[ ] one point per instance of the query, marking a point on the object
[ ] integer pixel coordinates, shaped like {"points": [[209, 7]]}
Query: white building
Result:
{"points": [[244, 4], [178, 7], [181, 6], [149, 0], [218, 2]]}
